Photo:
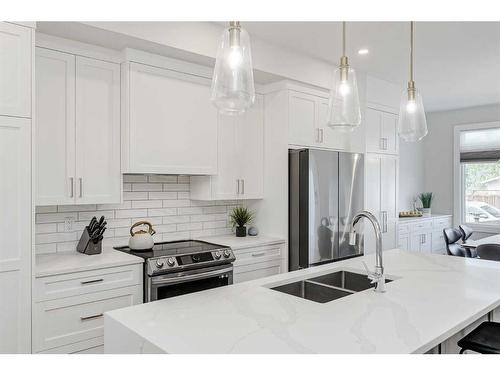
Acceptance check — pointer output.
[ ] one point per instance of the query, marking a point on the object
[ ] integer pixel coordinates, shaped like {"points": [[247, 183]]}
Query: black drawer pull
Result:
{"points": [[92, 281], [83, 318]]}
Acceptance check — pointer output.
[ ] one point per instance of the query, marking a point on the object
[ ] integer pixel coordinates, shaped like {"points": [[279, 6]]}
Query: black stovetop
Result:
{"points": [[172, 248]]}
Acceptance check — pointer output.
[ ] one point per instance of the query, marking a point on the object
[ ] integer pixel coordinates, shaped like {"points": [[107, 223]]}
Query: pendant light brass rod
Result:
{"points": [[343, 38], [411, 51]]}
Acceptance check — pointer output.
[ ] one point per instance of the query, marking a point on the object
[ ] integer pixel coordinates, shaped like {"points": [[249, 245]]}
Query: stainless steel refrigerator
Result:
{"points": [[326, 189]]}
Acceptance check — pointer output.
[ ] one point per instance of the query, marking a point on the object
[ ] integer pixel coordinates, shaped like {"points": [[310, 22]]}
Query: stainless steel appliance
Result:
{"points": [[326, 190], [181, 267]]}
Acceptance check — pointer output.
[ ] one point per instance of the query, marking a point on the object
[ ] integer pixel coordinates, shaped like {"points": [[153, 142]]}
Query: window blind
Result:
{"points": [[480, 145]]}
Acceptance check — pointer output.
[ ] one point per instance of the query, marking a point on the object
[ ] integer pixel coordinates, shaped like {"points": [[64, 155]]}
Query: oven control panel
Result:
{"points": [[175, 263]]}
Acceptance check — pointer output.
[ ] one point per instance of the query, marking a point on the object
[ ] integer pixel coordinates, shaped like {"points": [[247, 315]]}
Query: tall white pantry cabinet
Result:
{"points": [[16, 212]]}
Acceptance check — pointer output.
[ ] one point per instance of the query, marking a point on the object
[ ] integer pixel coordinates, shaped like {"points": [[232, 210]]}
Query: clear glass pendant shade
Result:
{"points": [[233, 90], [412, 125], [344, 112]]}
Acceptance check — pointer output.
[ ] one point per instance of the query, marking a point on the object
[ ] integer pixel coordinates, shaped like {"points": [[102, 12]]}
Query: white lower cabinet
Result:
{"points": [[257, 262], [68, 309], [424, 234]]}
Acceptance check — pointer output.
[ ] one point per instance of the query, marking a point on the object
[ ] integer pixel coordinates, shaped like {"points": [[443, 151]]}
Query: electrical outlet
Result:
{"points": [[68, 224]]}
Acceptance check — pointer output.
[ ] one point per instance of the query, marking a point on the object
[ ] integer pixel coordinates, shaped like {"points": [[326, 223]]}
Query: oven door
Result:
{"points": [[176, 284]]}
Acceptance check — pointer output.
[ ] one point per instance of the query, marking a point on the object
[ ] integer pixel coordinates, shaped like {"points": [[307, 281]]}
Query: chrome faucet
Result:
{"points": [[377, 276]]}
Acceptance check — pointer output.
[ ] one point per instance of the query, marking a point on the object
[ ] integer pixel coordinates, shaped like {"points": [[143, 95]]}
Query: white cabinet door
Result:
{"points": [[330, 138], [415, 242], [390, 133], [426, 246], [404, 242], [55, 127], [250, 151], [171, 126], [225, 183], [97, 131], [15, 235], [15, 70], [388, 199], [373, 128], [302, 118], [381, 132]]}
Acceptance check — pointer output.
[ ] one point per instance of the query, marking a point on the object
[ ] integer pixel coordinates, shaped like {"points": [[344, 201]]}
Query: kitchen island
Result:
{"points": [[431, 299]]}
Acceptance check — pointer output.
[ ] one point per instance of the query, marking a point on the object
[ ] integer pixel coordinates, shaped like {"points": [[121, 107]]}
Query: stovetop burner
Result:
{"points": [[174, 256], [172, 248]]}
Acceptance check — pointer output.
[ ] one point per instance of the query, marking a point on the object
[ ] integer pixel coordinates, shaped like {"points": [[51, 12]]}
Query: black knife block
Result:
{"points": [[86, 246]]}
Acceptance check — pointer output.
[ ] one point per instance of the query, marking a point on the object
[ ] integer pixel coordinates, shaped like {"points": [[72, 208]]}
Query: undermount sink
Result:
{"points": [[355, 282], [312, 291], [329, 287]]}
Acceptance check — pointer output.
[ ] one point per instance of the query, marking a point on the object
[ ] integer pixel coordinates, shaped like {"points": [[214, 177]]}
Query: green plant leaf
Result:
{"points": [[240, 216]]}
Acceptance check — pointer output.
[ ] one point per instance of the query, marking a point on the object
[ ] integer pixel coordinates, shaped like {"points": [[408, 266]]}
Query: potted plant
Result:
{"points": [[239, 217], [426, 199]]}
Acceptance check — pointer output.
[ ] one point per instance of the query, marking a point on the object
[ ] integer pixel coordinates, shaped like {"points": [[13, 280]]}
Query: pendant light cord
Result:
{"points": [[411, 51], [343, 38]]}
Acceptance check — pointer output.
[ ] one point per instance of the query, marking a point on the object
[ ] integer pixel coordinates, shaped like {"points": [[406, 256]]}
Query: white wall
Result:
{"points": [[411, 173], [438, 150]]}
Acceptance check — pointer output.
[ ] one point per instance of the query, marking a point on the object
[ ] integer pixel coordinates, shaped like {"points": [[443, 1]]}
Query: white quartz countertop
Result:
{"points": [[236, 243], [73, 261], [431, 298], [428, 217]]}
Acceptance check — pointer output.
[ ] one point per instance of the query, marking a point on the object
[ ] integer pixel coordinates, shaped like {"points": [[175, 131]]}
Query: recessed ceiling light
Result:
{"points": [[363, 51]]}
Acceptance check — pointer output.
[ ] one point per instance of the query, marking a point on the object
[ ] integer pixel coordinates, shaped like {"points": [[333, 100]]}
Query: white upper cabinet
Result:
{"points": [[55, 135], [15, 65], [97, 131], [303, 127], [381, 132], [78, 129], [240, 159], [170, 125]]}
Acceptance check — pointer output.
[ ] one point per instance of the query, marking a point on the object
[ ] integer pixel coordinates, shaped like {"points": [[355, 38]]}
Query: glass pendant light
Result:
{"points": [[233, 89], [412, 125], [344, 112]]}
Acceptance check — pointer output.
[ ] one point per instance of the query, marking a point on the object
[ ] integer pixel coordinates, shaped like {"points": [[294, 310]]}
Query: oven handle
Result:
{"points": [[165, 280]]}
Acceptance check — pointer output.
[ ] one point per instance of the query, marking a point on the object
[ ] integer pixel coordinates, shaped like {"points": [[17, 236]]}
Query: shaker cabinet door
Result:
{"points": [[15, 235], [302, 115], [15, 70], [98, 175], [250, 159], [55, 127]]}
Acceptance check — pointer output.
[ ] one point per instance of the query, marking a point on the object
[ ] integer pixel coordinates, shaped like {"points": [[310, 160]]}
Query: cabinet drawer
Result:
{"points": [[404, 228], [257, 270], [78, 283], [423, 225], [70, 320], [257, 254], [92, 346], [440, 223]]}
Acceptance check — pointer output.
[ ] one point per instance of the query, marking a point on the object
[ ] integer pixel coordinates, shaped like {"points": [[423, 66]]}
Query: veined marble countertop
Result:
{"points": [[431, 298], [73, 261]]}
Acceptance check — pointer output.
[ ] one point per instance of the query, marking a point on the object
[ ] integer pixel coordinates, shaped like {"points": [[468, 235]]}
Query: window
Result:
{"points": [[480, 176]]}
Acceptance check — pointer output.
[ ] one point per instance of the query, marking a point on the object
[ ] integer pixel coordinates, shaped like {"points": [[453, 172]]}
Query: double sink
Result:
{"points": [[326, 288]]}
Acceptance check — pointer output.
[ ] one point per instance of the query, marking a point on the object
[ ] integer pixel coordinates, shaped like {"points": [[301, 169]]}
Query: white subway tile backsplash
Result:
{"points": [[163, 200], [134, 195], [147, 204], [163, 195], [121, 214], [147, 187]]}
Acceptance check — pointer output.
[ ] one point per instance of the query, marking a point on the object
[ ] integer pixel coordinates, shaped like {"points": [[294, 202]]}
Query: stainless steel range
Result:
{"points": [[180, 267]]}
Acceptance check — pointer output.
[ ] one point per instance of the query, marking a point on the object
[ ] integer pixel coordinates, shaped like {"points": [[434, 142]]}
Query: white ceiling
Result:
{"points": [[457, 64]]}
